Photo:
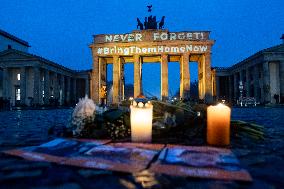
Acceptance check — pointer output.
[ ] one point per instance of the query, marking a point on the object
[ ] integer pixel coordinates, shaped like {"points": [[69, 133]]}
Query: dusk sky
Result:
{"points": [[61, 30]]}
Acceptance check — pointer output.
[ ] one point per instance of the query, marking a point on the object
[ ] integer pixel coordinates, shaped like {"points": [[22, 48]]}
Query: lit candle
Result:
{"points": [[141, 121], [218, 125]]}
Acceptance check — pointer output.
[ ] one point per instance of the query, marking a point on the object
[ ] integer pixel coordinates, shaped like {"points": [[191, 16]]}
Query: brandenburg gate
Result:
{"points": [[153, 45]]}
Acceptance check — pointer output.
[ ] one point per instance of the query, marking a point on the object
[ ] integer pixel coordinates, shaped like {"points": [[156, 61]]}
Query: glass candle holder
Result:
{"points": [[141, 115], [218, 125]]}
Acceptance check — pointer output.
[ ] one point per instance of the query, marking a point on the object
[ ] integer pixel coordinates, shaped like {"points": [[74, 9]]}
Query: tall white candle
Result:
{"points": [[141, 122], [218, 125]]}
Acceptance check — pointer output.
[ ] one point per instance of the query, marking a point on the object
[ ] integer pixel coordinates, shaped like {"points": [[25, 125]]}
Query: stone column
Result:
{"points": [[95, 80], [137, 75], [231, 85], [46, 86], [208, 78], [62, 85], [74, 90], [236, 86], [213, 81], [87, 86], [91, 84], [116, 80], [255, 83], [247, 84], [6, 87], [201, 83], [266, 82], [102, 74], [164, 77], [241, 78], [241, 74], [281, 75], [68, 89], [185, 77], [23, 85], [122, 79], [41, 87], [55, 85], [36, 85], [217, 84]]}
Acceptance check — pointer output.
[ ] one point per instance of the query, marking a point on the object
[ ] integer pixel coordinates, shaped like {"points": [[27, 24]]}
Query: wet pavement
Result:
{"points": [[263, 159]]}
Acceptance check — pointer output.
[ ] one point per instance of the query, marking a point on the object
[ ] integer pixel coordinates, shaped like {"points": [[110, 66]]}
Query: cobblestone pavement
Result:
{"points": [[263, 159]]}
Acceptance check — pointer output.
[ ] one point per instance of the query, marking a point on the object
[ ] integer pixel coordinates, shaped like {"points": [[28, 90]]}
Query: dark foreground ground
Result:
{"points": [[263, 159]]}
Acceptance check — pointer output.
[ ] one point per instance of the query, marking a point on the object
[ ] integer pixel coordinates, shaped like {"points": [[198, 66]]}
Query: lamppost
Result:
{"points": [[241, 88]]}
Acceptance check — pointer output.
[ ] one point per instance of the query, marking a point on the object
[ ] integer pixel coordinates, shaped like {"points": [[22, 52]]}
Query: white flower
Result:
{"points": [[82, 114], [85, 107]]}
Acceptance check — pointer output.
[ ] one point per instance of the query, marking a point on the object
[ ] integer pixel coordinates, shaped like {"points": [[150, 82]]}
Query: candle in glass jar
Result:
{"points": [[141, 122], [218, 125]]}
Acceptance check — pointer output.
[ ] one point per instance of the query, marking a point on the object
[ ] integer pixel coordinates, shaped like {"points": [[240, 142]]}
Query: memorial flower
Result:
{"points": [[83, 116]]}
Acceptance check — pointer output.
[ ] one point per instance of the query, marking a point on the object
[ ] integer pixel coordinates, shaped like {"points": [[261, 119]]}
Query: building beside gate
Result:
{"points": [[31, 80], [262, 75], [152, 45]]}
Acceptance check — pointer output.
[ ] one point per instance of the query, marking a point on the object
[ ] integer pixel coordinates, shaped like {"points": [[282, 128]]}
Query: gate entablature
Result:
{"points": [[142, 46]]}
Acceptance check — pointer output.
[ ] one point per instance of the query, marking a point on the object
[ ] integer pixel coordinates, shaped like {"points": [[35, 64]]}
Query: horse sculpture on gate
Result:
{"points": [[150, 22], [139, 24], [162, 22]]}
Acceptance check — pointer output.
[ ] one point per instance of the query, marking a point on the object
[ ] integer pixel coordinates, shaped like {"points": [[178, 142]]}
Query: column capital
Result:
{"points": [[208, 53], [184, 57], [186, 54], [115, 56], [102, 59]]}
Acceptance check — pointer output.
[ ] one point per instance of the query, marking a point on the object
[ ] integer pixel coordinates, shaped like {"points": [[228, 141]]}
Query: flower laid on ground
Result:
{"points": [[117, 123], [169, 121], [92, 121], [85, 107], [83, 116]]}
